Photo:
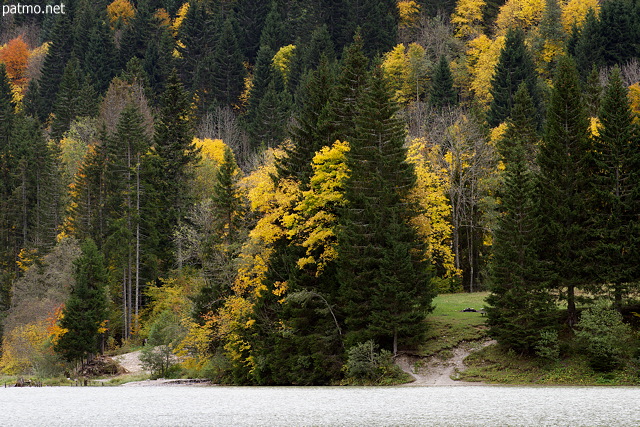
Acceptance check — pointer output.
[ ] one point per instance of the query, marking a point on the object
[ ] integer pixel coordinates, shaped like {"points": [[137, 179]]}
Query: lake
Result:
{"points": [[320, 406]]}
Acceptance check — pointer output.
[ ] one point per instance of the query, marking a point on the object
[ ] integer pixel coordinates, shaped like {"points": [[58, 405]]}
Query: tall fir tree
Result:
{"points": [[312, 129], [563, 188], [520, 306], [515, 66], [616, 155], [589, 50], [442, 93], [85, 310], [384, 278], [175, 153]]}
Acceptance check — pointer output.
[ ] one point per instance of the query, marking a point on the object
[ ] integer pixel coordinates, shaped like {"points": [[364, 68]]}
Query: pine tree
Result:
{"points": [[228, 68], [616, 227], [515, 66], [312, 129], [100, 58], [354, 69], [520, 306], [563, 189], [85, 310], [53, 68], [174, 152], [442, 93], [593, 92], [384, 280], [589, 50]]}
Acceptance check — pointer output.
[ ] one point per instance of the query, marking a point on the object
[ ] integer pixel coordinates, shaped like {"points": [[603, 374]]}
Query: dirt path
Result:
{"points": [[438, 371]]}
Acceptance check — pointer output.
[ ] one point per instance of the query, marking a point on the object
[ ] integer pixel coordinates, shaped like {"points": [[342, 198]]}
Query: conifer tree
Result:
{"points": [[85, 310], [53, 68], [515, 66], [312, 129], [384, 279], [228, 69], [563, 189], [174, 152], [588, 51], [442, 93], [354, 69], [100, 59], [520, 305], [593, 92], [616, 154]]}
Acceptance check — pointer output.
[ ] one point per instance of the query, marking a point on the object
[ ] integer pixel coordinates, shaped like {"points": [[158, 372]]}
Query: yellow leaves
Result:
{"points": [[523, 14], [634, 99], [406, 71], [594, 126], [467, 18], [574, 12], [211, 148], [180, 16], [26, 258], [497, 133], [318, 218], [483, 55], [282, 60], [120, 13], [409, 12], [430, 193], [23, 346]]}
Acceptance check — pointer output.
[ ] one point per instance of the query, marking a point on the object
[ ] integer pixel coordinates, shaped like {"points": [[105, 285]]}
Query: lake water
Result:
{"points": [[320, 406]]}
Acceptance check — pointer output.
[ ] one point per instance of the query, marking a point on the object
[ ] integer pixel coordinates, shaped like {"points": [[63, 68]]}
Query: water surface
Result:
{"points": [[320, 406]]}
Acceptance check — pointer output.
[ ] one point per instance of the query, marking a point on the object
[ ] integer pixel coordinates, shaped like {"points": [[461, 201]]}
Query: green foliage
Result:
{"points": [[548, 347], [604, 336], [85, 311], [515, 66], [563, 187], [367, 366], [442, 93]]}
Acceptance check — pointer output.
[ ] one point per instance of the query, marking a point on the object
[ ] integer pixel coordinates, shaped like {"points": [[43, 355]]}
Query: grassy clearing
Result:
{"points": [[449, 326], [493, 365]]}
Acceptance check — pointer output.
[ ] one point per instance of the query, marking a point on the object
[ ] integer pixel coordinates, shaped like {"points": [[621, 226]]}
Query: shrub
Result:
{"points": [[548, 347], [365, 365], [604, 337]]}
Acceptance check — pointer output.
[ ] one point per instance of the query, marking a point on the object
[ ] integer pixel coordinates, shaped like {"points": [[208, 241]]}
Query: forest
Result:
{"points": [[275, 191]]}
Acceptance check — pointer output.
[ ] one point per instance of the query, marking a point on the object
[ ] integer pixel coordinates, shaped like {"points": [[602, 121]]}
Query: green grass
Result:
{"points": [[493, 365], [449, 326]]}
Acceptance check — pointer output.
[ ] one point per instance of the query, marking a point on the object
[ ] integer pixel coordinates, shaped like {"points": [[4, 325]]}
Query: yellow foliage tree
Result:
{"points": [[434, 223], [467, 18], [282, 60], [409, 12], [318, 208], [406, 70], [523, 14], [482, 57], [273, 203], [120, 13], [180, 16], [574, 12]]}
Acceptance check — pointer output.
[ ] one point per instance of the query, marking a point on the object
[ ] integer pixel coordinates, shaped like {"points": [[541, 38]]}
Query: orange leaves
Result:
{"points": [[15, 56], [120, 13]]}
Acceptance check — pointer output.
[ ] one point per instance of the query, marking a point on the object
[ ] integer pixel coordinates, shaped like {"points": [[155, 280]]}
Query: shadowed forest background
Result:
{"points": [[275, 191]]}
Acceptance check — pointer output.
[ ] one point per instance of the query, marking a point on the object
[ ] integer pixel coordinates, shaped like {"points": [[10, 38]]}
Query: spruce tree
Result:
{"points": [[589, 47], [53, 68], [312, 129], [85, 310], [616, 156], [175, 153], [442, 93], [520, 306], [515, 66], [384, 280], [228, 69], [563, 188]]}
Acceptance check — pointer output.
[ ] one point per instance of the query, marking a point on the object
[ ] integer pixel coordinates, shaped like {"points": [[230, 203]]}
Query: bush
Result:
{"points": [[159, 360], [604, 337], [365, 365], [548, 347]]}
